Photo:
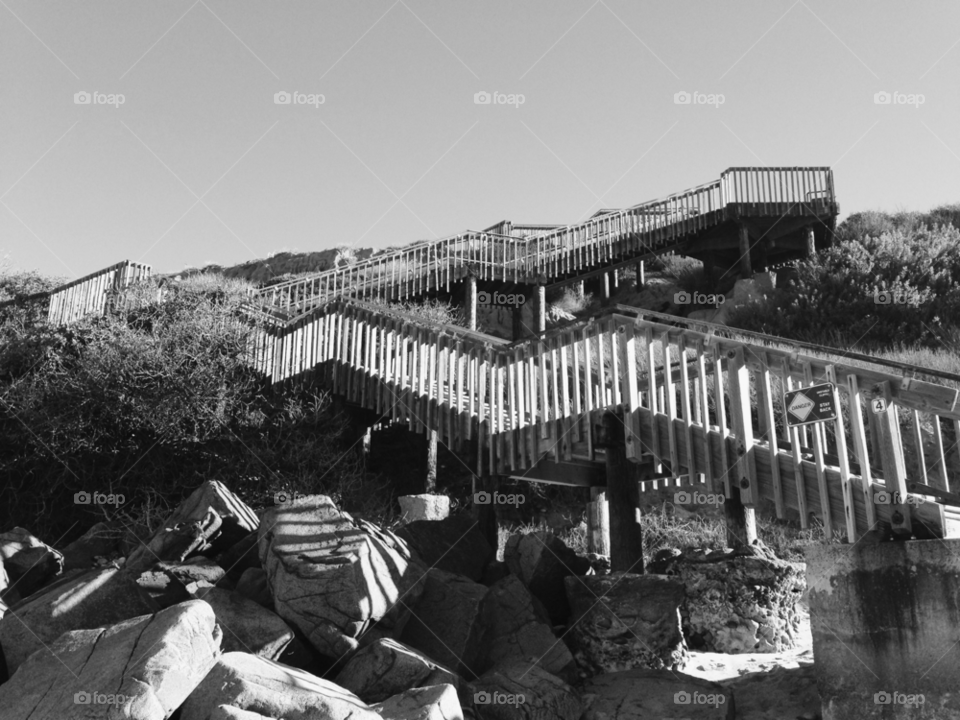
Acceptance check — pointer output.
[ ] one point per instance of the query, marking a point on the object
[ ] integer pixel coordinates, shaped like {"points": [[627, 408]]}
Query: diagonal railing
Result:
{"points": [[646, 228], [701, 404]]}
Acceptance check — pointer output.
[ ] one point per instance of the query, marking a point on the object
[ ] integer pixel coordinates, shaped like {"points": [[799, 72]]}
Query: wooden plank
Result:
{"points": [[941, 479], [652, 396], [894, 466], [797, 455], [670, 400], [845, 483], [818, 451], [766, 410], [685, 406], [738, 375], [628, 363], [704, 403], [720, 407], [859, 436], [917, 434]]}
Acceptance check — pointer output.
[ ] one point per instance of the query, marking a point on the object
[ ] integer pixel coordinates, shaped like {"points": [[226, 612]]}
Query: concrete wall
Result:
{"points": [[886, 619]]}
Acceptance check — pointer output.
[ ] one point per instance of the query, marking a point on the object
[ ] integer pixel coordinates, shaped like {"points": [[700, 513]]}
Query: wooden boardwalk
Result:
{"points": [[702, 407]]}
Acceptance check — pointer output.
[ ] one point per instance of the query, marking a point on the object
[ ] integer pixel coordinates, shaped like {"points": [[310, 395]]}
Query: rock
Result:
{"points": [[253, 585], [228, 712], [519, 690], [542, 561], [637, 624], [424, 507], [436, 702], [333, 577], [164, 589], [447, 622], [144, 667], [639, 694], [175, 544], [599, 563], [238, 519], [778, 692], [766, 281], [29, 563], [494, 571], [514, 630], [387, 667], [100, 541], [248, 682], [455, 545], [739, 602], [247, 626], [92, 599], [241, 557]]}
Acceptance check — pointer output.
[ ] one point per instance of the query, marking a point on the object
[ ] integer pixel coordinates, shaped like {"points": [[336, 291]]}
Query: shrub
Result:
{"points": [[151, 405], [835, 293]]}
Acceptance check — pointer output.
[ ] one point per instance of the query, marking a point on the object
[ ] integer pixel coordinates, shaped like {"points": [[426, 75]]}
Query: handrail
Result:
{"points": [[565, 249]]}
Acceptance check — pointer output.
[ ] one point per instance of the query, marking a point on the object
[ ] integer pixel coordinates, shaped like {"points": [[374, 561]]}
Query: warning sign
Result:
{"points": [[810, 405]]}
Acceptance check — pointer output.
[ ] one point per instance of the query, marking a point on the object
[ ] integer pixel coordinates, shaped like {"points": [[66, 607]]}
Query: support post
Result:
{"points": [[486, 512], [641, 275], [606, 289], [541, 308], [746, 270], [894, 466], [626, 537], [739, 510], [598, 523], [811, 241], [471, 302], [431, 483]]}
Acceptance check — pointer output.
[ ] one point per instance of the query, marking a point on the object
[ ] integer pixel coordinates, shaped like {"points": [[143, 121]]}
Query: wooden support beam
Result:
{"points": [[598, 523], [626, 537], [894, 466], [746, 270], [541, 309], [811, 241], [471, 302], [740, 512]]}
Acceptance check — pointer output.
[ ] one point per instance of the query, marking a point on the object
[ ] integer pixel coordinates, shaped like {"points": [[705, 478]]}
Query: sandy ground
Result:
{"points": [[766, 686]]}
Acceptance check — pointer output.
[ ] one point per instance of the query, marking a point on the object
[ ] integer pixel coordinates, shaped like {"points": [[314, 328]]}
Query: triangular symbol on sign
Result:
{"points": [[800, 406]]}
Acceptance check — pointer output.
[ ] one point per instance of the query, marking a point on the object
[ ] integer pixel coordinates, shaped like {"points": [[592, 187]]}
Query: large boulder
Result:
{"points": [[228, 712], [447, 622], [521, 691], [253, 584], [515, 630], [743, 601], [424, 507], [543, 561], [247, 626], [29, 562], [101, 541], [623, 621], [142, 669], [92, 599], [436, 702], [241, 557], [387, 667], [455, 544], [248, 682], [334, 577], [239, 520], [175, 544], [640, 694]]}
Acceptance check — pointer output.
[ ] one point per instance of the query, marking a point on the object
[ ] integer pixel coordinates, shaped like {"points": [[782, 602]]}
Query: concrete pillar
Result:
{"points": [[470, 302], [746, 270], [541, 308], [811, 241], [886, 625], [626, 536]]}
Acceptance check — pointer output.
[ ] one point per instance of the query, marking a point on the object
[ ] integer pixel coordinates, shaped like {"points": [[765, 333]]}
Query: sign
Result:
{"points": [[879, 405], [810, 405]]}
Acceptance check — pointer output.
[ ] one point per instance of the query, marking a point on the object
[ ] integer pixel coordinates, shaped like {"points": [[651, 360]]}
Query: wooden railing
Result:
{"points": [[649, 227], [706, 407], [93, 294]]}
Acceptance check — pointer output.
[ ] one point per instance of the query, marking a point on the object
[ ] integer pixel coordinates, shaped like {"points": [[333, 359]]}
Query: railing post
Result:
{"points": [[739, 509], [894, 466], [541, 308], [471, 302]]}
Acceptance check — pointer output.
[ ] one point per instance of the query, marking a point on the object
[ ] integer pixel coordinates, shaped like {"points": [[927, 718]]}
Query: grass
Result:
{"points": [[663, 528]]}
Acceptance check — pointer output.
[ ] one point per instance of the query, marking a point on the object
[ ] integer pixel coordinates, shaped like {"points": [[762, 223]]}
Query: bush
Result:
{"points": [[835, 293], [151, 405]]}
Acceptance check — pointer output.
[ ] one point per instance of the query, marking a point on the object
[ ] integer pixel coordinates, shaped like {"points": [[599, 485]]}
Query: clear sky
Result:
{"points": [[200, 164]]}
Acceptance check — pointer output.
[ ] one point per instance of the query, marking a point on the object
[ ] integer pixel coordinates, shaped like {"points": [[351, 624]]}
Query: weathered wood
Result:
{"points": [[626, 536], [894, 466]]}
